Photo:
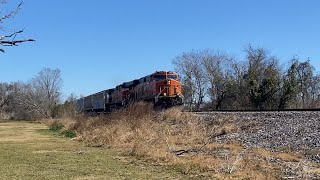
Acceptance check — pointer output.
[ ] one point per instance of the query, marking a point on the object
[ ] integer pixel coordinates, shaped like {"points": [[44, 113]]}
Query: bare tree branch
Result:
{"points": [[10, 40], [12, 13], [15, 42]]}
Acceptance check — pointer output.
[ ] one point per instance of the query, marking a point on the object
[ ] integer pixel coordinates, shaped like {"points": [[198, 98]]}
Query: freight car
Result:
{"points": [[162, 88]]}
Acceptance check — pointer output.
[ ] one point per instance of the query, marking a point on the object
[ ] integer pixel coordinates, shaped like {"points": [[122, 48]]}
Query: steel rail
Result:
{"points": [[272, 110]]}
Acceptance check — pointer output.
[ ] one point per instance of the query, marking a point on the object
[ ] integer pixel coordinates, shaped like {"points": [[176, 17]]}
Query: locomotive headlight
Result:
{"points": [[164, 94], [169, 82]]}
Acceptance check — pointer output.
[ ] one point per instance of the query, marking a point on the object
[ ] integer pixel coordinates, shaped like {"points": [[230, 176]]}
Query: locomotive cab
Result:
{"points": [[168, 88]]}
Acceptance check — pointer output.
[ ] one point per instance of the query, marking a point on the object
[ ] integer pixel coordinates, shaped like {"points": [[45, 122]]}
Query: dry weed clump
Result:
{"points": [[143, 131]]}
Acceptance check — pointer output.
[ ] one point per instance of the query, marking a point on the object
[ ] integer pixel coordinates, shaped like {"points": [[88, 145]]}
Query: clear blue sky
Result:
{"points": [[99, 44]]}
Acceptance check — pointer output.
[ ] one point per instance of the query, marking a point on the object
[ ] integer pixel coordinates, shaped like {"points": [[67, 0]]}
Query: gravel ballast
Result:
{"points": [[277, 131]]}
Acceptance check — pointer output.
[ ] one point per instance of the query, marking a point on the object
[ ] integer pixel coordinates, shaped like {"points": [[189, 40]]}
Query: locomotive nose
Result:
{"points": [[167, 82]]}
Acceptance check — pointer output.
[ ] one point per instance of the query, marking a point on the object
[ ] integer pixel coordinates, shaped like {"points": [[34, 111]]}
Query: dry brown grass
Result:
{"points": [[180, 139]]}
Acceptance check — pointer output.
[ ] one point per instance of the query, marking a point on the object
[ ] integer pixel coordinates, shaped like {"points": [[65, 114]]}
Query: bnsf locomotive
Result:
{"points": [[162, 88]]}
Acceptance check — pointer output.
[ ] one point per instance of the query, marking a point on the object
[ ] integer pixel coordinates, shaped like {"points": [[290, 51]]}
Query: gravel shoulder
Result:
{"points": [[292, 139], [295, 131]]}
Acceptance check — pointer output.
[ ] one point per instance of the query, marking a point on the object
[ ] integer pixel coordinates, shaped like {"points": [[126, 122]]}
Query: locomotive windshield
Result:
{"points": [[172, 76], [158, 77]]}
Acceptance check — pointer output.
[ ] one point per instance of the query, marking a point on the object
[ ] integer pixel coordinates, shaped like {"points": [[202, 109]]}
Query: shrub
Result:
{"points": [[69, 133], [56, 126]]}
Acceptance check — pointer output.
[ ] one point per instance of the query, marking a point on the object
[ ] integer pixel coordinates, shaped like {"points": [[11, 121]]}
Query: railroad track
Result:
{"points": [[256, 111]]}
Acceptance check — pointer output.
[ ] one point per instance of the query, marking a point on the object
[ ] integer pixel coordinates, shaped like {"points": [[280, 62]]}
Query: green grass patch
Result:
{"points": [[56, 126], [56, 129], [29, 151], [69, 133], [66, 133]]}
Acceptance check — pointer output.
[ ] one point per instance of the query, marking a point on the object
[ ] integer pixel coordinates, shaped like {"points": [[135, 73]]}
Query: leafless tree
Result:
{"points": [[39, 97], [305, 75], [217, 67], [47, 85], [4, 99], [20, 101], [315, 91], [3, 94], [189, 65], [9, 38]]}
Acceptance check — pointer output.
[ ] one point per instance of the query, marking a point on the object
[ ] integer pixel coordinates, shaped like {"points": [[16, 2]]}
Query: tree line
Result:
{"points": [[37, 98], [214, 80]]}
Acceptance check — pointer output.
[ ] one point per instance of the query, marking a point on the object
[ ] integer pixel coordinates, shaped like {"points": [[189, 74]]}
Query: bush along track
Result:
{"points": [[58, 128]]}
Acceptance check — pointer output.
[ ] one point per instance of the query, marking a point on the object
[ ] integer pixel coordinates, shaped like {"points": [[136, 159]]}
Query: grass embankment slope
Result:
{"points": [[27, 151], [190, 143]]}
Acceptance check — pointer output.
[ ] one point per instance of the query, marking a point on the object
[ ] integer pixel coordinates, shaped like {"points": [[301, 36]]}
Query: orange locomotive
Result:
{"points": [[161, 88]]}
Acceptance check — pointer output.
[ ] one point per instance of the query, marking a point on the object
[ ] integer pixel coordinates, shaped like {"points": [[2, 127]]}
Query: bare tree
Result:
{"points": [[4, 99], [10, 37], [305, 75], [315, 91], [3, 94], [47, 85], [39, 97], [189, 65], [21, 101], [217, 67]]}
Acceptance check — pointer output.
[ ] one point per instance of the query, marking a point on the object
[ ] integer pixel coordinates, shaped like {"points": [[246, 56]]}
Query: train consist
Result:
{"points": [[162, 88]]}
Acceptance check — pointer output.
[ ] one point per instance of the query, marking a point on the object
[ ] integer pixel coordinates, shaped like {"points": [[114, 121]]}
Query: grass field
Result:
{"points": [[28, 151]]}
